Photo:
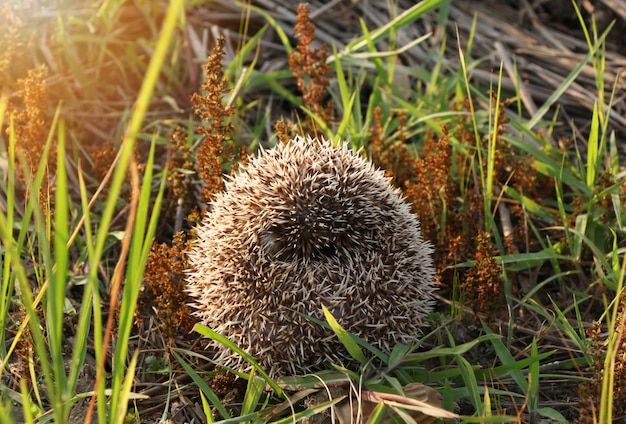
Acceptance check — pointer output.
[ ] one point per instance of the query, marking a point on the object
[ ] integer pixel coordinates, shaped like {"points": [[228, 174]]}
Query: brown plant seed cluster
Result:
{"points": [[102, 157], [14, 42], [182, 195], [304, 225], [390, 152], [31, 123], [31, 126], [309, 67], [218, 148], [165, 287], [483, 285], [589, 393]]}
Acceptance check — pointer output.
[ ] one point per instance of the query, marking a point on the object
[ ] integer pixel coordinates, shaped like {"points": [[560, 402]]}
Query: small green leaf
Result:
{"points": [[254, 390], [346, 339], [397, 354], [552, 414]]}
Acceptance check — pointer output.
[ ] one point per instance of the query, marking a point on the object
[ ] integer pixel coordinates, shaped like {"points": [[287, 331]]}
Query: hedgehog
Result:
{"points": [[305, 224]]}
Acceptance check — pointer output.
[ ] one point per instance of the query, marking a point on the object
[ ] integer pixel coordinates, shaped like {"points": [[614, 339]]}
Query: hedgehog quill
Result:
{"points": [[308, 224]]}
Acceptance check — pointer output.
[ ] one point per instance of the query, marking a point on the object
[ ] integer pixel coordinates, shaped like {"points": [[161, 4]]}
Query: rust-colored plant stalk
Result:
{"points": [[218, 147], [309, 64], [31, 123], [390, 151], [165, 286], [483, 285], [311, 71]]}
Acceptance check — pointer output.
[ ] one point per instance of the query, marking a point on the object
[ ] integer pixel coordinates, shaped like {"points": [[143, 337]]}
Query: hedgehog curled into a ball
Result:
{"points": [[308, 224]]}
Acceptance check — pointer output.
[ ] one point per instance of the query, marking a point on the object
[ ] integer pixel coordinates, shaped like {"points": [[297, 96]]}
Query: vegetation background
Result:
{"points": [[502, 122]]}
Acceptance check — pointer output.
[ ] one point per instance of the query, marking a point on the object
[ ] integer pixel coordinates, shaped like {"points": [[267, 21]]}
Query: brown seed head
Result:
{"points": [[302, 225]]}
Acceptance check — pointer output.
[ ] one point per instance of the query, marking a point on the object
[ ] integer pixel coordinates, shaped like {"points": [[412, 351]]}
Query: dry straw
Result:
{"points": [[304, 225]]}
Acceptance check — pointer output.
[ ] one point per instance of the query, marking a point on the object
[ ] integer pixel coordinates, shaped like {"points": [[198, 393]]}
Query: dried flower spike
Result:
{"points": [[304, 225]]}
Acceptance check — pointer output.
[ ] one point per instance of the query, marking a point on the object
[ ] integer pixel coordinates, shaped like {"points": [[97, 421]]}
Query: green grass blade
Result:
{"points": [[119, 413], [140, 238], [486, 411], [205, 389], [251, 398], [309, 412], [471, 385], [438, 352], [207, 332], [507, 360], [519, 365], [491, 152], [346, 339], [378, 414], [593, 149], [246, 49], [374, 57], [282, 36], [56, 290], [560, 90], [27, 410], [553, 415], [13, 253], [6, 292], [143, 233], [408, 16], [567, 328], [531, 205], [615, 339], [533, 378], [206, 408], [84, 320], [347, 118]]}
